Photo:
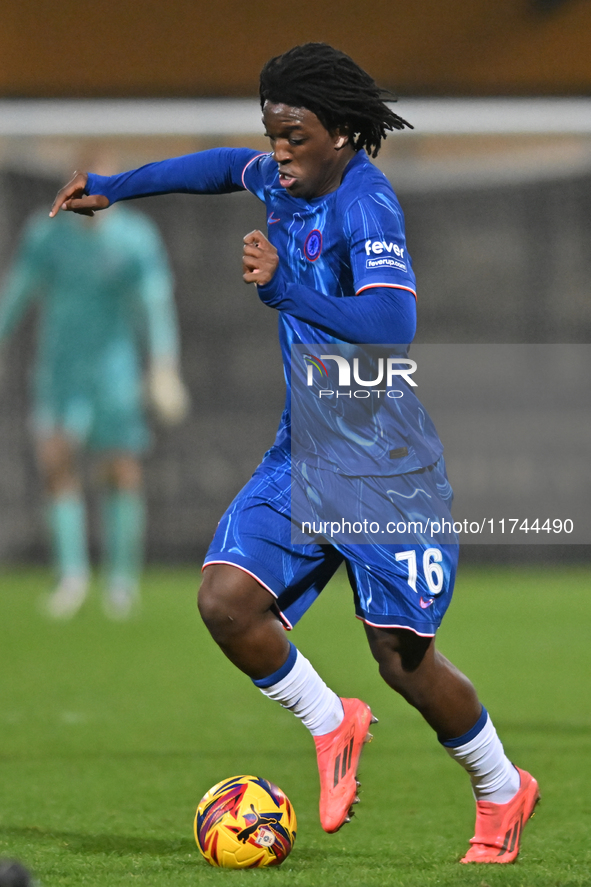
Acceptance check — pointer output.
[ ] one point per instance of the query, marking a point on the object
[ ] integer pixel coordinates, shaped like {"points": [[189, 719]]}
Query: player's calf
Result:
{"points": [[238, 613]]}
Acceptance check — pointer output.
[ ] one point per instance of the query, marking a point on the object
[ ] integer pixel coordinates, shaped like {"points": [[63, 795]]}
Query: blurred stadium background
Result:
{"points": [[495, 182]]}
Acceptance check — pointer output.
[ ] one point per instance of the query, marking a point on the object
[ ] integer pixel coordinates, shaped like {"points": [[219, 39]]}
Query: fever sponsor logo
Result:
{"points": [[386, 263], [377, 247]]}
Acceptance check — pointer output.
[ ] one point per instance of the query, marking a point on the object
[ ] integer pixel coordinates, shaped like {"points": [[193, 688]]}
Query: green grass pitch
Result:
{"points": [[110, 734]]}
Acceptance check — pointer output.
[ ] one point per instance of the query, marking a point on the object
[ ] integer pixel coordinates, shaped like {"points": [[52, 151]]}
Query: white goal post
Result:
{"points": [[235, 117]]}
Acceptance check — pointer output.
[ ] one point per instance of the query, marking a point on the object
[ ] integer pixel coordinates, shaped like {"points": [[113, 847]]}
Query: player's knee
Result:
{"points": [[220, 612], [398, 648], [399, 654], [225, 603], [209, 604], [408, 684], [395, 676]]}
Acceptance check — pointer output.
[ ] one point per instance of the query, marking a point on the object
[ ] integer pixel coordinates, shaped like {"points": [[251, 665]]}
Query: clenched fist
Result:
{"points": [[259, 259]]}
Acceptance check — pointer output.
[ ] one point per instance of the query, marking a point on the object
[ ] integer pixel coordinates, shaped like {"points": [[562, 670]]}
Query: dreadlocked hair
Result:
{"points": [[331, 85]]}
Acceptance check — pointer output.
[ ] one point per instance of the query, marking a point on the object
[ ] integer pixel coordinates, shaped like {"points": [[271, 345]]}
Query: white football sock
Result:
{"points": [[303, 692], [493, 776]]}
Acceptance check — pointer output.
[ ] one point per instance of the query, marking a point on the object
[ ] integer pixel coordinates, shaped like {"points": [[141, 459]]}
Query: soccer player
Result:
{"points": [[88, 394], [327, 205]]}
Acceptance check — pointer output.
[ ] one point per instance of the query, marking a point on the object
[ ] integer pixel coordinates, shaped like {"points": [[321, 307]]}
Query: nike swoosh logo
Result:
{"points": [[271, 220], [425, 604]]}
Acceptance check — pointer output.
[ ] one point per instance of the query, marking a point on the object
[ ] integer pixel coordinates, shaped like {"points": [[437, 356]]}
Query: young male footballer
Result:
{"points": [[327, 206]]}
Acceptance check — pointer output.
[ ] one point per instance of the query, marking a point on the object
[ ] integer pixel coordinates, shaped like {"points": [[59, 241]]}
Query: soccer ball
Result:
{"points": [[245, 822]]}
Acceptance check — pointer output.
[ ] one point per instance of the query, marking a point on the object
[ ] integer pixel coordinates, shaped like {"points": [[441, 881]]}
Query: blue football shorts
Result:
{"points": [[397, 585]]}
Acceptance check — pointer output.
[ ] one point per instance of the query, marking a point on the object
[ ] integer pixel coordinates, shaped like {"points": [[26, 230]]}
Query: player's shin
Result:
{"points": [[481, 754], [299, 688], [506, 796], [339, 727]]}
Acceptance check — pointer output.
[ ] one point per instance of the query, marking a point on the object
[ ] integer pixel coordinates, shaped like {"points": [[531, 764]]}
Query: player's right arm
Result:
{"points": [[217, 171]]}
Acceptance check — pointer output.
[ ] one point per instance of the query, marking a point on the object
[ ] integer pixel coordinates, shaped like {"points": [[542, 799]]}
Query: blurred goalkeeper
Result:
{"points": [[88, 390]]}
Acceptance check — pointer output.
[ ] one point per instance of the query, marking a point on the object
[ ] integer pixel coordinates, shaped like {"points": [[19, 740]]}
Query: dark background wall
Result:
{"points": [[194, 47]]}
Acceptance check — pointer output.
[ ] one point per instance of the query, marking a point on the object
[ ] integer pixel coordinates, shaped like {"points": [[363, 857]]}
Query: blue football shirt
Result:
{"points": [[345, 277]]}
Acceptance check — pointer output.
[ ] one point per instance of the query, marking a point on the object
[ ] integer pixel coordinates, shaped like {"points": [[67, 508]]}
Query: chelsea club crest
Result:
{"points": [[313, 245]]}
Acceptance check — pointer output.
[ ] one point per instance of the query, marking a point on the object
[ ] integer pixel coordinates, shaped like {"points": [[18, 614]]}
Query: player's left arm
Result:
{"points": [[380, 314]]}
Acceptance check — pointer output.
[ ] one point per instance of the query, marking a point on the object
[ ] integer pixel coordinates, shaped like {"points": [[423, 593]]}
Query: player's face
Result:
{"points": [[311, 159]]}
